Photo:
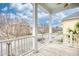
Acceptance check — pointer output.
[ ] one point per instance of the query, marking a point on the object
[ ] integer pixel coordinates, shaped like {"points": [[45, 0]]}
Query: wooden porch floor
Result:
{"points": [[56, 50]]}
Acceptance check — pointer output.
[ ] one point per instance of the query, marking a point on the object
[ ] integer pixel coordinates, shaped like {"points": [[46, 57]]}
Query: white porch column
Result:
{"points": [[34, 33], [50, 26]]}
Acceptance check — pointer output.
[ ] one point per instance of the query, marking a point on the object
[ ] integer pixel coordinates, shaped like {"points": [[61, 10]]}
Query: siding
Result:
{"points": [[69, 24]]}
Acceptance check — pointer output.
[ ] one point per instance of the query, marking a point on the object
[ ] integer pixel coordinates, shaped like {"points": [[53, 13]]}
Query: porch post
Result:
{"points": [[34, 33], [50, 27]]}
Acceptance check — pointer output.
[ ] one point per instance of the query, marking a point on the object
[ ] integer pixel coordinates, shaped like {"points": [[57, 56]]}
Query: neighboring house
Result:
{"points": [[69, 22]]}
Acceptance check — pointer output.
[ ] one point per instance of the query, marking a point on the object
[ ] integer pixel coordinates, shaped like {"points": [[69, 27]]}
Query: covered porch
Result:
{"points": [[22, 46]]}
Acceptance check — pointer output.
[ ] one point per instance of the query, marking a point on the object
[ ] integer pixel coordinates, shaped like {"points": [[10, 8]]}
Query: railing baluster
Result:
{"points": [[24, 44], [11, 48], [1, 50], [8, 48], [21, 46], [15, 47], [18, 47], [29, 43]]}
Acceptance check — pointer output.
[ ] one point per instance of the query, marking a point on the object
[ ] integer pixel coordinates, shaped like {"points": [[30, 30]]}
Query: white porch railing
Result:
{"points": [[71, 40], [16, 46], [21, 45]]}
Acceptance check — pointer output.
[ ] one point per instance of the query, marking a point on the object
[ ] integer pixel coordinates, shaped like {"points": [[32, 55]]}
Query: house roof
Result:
{"points": [[72, 17]]}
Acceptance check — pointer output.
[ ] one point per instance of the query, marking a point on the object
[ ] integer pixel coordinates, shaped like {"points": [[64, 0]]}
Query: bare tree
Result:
{"points": [[11, 28]]}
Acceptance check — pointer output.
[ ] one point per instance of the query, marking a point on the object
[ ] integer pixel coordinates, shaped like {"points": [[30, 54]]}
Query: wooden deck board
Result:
{"points": [[49, 50]]}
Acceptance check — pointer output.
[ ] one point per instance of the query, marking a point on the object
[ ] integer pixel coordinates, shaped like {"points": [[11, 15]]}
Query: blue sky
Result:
{"points": [[4, 8], [20, 10]]}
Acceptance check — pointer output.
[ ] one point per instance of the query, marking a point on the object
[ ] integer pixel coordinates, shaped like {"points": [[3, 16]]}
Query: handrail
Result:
{"points": [[14, 39]]}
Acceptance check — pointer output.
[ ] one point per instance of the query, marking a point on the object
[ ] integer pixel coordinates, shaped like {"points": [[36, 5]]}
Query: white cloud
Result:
{"points": [[42, 14], [28, 13], [12, 16], [22, 7], [29, 6], [60, 15], [16, 6], [5, 9]]}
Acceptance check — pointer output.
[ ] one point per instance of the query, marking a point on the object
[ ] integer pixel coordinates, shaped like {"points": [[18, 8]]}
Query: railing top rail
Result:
{"points": [[16, 38], [20, 38]]}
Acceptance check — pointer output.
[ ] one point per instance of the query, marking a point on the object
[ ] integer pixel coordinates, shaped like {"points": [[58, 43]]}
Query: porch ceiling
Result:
{"points": [[57, 7]]}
